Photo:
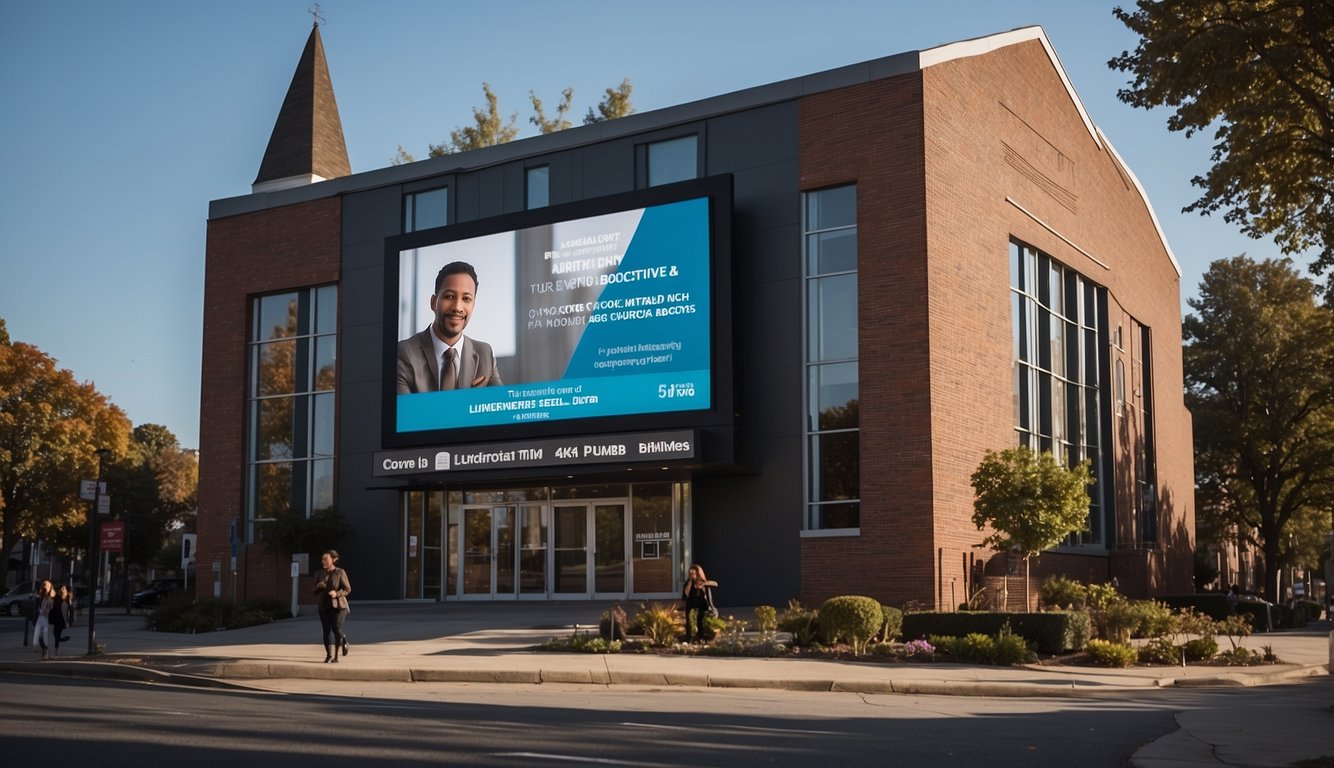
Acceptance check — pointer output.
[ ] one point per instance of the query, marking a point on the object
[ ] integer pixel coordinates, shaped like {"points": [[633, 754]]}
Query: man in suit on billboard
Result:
{"points": [[440, 357]]}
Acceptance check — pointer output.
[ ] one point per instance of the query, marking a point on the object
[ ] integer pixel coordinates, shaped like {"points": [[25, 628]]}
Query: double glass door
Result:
{"points": [[505, 550]]}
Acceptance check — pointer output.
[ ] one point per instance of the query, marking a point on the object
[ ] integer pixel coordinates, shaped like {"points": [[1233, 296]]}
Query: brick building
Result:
{"points": [[897, 265]]}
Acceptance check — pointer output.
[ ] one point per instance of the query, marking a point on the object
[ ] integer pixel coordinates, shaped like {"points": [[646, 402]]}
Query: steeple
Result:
{"points": [[307, 141]]}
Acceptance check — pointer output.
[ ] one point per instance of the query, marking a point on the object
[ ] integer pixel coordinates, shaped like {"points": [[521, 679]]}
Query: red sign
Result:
{"points": [[113, 536]]}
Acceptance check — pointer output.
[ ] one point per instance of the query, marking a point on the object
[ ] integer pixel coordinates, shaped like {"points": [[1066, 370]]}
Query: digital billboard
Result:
{"points": [[594, 315]]}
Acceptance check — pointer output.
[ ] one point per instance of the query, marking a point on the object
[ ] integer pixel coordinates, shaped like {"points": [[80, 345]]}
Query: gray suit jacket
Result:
{"points": [[419, 372]]}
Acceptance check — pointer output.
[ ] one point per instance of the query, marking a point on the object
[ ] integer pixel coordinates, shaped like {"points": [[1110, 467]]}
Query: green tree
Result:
{"points": [[615, 104], [1259, 370], [1030, 502], [50, 429], [559, 122], [155, 487], [1259, 73], [488, 130]]}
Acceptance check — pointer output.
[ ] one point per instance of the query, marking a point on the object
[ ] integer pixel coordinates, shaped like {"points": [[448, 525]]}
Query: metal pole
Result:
{"points": [[93, 554], [125, 559]]}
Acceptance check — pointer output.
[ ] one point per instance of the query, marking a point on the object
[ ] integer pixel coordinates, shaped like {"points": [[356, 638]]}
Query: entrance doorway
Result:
{"points": [[504, 551], [590, 547]]}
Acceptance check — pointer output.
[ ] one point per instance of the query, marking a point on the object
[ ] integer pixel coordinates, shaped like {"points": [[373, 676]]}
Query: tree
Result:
{"points": [[489, 129], [1029, 501], [559, 123], [615, 104], [50, 429], [155, 487], [1259, 70], [1259, 370]]}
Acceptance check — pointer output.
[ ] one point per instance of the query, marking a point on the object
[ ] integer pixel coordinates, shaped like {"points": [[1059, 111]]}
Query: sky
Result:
{"points": [[119, 122]]}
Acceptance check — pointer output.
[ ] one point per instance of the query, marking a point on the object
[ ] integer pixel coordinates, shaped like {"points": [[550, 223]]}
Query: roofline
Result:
{"points": [[749, 98]]}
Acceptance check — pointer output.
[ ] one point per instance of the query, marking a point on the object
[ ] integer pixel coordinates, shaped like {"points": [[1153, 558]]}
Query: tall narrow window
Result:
{"points": [[1058, 334], [832, 427], [672, 160], [538, 185], [424, 210], [290, 447], [1146, 470]]}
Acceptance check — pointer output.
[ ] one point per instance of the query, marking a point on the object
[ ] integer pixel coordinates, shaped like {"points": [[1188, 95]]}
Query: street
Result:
{"points": [[75, 721]]}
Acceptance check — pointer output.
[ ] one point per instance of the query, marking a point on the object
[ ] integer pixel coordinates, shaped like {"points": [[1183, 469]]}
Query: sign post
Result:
{"points": [[90, 561]]}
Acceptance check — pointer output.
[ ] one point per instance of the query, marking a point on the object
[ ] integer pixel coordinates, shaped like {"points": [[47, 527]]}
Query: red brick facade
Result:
{"points": [[281, 249], [950, 164]]}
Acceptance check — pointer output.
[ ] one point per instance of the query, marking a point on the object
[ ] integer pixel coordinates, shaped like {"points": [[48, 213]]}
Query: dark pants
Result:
{"points": [[331, 621], [699, 612]]}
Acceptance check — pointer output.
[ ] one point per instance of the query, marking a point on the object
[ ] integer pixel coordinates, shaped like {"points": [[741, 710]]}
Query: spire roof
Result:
{"points": [[307, 141]]}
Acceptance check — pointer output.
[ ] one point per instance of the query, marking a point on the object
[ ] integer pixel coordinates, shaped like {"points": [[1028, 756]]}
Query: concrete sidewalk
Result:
{"points": [[493, 643]]}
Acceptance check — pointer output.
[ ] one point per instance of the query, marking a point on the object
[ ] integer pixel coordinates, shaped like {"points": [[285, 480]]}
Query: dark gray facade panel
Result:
{"points": [[359, 363], [514, 195], [766, 197], [466, 198], [491, 193], [362, 290], [755, 137], [745, 526], [605, 169], [374, 556], [368, 218], [561, 176], [772, 254]]}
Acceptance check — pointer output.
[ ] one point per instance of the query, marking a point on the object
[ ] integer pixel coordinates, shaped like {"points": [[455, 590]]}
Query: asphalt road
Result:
{"points": [[73, 722]]}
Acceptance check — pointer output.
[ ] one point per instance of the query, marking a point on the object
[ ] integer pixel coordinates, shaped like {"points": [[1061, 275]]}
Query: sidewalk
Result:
{"points": [[492, 643]]}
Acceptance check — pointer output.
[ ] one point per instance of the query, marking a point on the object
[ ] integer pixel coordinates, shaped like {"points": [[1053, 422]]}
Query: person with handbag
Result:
{"points": [[697, 598], [61, 617], [333, 588], [41, 630]]}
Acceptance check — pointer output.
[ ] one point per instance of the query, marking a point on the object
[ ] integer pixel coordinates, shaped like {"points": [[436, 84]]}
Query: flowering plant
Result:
{"points": [[918, 648]]}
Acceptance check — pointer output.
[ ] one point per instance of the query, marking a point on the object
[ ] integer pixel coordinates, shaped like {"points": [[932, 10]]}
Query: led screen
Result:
{"points": [[577, 317]]}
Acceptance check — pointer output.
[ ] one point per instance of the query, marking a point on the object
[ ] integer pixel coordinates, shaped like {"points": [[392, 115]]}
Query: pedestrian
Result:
{"points": [[333, 588], [697, 598], [61, 617], [41, 631]]}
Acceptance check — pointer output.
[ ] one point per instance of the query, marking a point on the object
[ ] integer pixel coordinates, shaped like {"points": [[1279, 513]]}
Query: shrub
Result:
{"points": [[180, 612], [917, 649], [1234, 627], [1048, 631], [892, 627], [1116, 620], [801, 624], [659, 622], [1200, 649], [851, 618], [1154, 619], [1102, 595], [1159, 650], [1011, 649], [1063, 592], [1110, 654], [766, 618]]}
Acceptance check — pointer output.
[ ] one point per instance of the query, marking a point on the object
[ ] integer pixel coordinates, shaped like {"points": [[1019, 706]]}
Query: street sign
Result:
{"points": [[187, 549], [113, 536], [88, 489], [103, 504]]}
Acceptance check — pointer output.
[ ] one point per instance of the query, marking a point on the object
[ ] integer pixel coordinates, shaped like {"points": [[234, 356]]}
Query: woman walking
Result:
{"points": [[61, 617], [41, 631], [333, 588]]}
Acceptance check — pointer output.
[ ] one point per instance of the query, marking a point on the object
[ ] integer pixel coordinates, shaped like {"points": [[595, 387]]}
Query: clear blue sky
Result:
{"points": [[120, 121]]}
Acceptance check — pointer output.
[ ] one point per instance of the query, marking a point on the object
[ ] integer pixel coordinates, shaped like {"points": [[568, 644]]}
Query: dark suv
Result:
{"points": [[154, 592]]}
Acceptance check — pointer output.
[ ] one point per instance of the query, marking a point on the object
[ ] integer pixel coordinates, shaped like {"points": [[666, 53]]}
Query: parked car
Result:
{"points": [[155, 591], [12, 603]]}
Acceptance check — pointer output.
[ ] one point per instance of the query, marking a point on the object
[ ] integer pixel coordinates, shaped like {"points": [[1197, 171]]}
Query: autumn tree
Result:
{"points": [[615, 104], [557, 123], [489, 128], [1029, 501], [51, 427], [1258, 72], [1259, 371]]}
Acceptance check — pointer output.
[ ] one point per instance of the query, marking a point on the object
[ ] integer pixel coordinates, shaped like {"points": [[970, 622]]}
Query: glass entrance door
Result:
{"points": [[590, 549], [609, 552], [489, 552]]}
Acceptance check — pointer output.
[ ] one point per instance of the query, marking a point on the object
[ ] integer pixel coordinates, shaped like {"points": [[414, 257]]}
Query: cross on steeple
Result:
{"points": [[314, 10]]}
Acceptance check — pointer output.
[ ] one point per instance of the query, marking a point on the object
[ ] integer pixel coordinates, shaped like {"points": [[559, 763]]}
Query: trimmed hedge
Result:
{"points": [[1215, 605], [853, 618], [1049, 632]]}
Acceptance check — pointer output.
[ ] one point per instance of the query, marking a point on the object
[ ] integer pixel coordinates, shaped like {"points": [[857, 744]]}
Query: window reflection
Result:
{"points": [[673, 160]]}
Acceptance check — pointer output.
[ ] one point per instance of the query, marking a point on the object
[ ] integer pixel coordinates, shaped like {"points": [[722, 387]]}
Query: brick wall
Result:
{"points": [[950, 164], [247, 255]]}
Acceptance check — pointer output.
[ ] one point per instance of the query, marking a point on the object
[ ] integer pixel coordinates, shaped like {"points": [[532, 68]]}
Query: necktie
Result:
{"points": [[449, 375]]}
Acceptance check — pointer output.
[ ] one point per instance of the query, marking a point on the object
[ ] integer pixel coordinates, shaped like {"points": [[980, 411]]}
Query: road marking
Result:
{"points": [[717, 728], [578, 759]]}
